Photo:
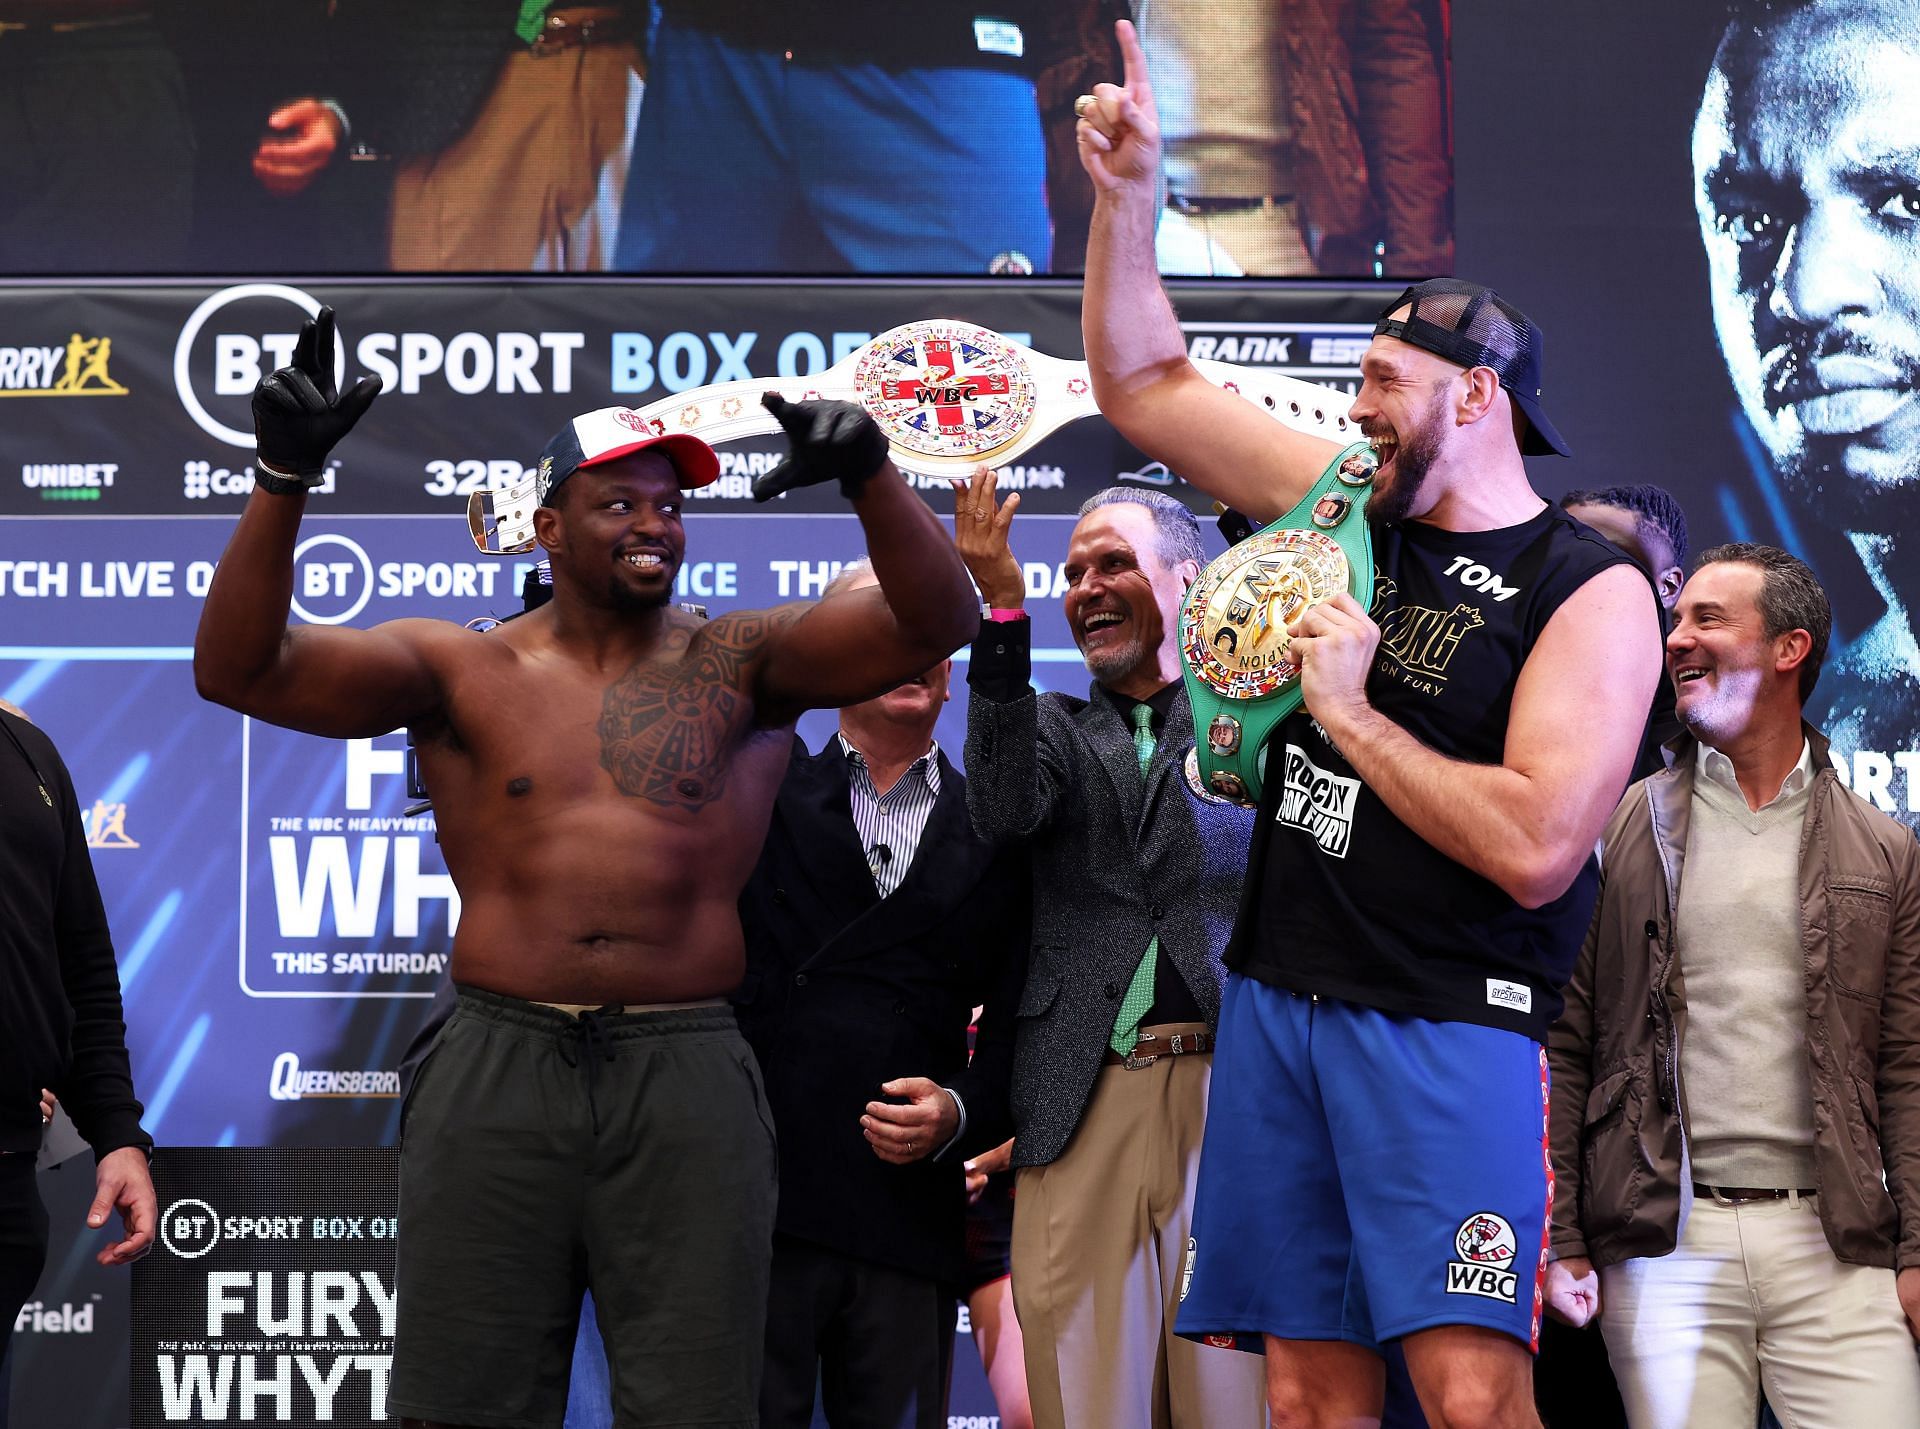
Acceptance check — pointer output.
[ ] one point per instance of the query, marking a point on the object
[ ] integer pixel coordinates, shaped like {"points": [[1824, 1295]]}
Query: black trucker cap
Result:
{"points": [[1475, 327]]}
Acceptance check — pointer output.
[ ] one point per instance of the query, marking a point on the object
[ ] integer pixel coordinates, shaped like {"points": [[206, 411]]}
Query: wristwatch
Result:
{"points": [[279, 483]]}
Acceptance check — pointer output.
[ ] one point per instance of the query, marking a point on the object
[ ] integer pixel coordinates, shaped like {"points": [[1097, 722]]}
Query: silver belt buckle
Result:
{"points": [[1133, 1061]]}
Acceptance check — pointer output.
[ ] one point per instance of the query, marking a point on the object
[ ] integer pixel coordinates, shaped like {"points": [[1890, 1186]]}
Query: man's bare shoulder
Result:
{"points": [[750, 625], [739, 637], [441, 643]]}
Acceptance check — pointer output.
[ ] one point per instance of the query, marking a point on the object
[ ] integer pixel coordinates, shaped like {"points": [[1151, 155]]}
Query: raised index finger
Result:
{"points": [[320, 365], [1134, 62]]}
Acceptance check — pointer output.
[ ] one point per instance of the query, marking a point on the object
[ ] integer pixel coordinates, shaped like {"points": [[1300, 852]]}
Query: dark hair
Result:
{"points": [[1791, 598], [1652, 506], [1177, 527]]}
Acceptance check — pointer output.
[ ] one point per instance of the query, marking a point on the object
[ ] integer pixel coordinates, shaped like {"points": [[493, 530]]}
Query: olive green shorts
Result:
{"points": [[543, 1154]]}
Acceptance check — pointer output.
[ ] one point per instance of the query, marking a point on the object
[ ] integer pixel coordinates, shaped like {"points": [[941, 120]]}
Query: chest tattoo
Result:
{"points": [[668, 726]]}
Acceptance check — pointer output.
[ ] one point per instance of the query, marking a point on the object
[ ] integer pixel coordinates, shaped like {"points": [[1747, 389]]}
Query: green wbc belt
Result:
{"points": [[1233, 627]]}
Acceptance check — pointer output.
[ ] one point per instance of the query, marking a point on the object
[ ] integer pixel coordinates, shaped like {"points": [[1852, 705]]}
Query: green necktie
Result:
{"points": [[533, 18], [1139, 998]]}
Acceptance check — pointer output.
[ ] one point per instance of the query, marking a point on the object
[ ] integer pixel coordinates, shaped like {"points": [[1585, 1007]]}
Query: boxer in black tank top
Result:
{"points": [[1415, 888], [1458, 612]]}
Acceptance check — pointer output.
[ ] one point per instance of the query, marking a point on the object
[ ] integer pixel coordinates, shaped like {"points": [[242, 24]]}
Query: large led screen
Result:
{"points": [[708, 137]]}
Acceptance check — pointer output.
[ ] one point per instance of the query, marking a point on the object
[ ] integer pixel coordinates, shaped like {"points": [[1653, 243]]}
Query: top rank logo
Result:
{"points": [[81, 366]]}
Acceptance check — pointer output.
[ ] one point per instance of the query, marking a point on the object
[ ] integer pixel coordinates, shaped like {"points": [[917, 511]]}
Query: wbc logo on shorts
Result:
{"points": [[1485, 1245]]}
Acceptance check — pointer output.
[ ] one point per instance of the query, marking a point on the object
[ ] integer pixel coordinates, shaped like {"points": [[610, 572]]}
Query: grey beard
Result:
{"points": [[1112, 664]]}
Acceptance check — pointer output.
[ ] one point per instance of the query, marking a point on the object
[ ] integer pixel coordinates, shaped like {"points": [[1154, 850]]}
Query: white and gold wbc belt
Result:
{"points": [[949, 396]]}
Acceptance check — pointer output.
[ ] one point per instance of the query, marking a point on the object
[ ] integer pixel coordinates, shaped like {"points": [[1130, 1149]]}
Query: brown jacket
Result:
{"points": [[1371, 159], [1619, 1156], [1371, 151]]}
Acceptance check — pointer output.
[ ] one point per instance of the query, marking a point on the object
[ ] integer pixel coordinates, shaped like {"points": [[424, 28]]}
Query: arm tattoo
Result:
{"points": [[669, 726]]}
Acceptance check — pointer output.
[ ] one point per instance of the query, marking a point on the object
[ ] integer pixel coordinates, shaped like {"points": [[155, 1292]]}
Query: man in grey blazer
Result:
{"points": [[1136, 876]]}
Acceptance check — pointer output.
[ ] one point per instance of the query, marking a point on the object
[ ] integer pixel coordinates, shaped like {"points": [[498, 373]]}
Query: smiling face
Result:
{"points": [[614, 532], [1724, 665], [1123, 597], [1806, 158], [1404, 408]]}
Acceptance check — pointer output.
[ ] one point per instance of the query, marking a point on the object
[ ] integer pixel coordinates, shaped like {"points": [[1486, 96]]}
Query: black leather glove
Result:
{"points": [[297, 415], [826, 441]]}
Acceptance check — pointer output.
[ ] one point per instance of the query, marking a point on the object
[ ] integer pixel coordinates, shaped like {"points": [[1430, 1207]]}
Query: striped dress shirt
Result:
{"points": [[890, 824]]}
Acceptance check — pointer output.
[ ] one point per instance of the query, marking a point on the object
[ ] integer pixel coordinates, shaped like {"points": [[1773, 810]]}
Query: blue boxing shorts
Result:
{"points": [[748, 161], [1366, 1175]]}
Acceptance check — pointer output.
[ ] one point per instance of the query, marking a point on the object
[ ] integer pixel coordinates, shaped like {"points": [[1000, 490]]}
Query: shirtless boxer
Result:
{"points": [[603, 771]]}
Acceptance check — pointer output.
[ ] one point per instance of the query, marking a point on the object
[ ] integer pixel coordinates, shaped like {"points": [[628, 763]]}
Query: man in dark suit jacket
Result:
{"points": [[1141, 872], [876, 921]]}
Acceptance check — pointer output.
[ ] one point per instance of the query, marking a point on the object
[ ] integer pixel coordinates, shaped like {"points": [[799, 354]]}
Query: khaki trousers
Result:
{"points": [[1751, 1296], [1254, 242], [1099, 1249], [534, 185]]}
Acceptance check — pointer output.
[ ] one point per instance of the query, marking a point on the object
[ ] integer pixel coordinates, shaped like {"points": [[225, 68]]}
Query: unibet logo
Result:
{"points": [[69, 480]]}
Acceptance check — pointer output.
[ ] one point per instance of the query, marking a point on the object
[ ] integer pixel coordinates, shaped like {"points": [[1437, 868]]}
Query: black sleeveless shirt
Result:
{"points": [[1343, 899]]}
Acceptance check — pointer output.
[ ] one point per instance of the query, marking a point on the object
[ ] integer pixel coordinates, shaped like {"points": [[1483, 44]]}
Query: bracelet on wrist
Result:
{"points": [[279, 483]]}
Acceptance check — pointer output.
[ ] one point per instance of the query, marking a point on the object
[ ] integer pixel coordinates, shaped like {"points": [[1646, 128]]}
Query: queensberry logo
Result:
{"points": [[107, 826], [77, 368], [289, 1082]]}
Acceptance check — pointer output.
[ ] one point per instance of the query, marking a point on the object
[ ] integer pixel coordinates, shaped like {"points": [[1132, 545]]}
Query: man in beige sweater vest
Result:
{"points": [[1736, 1078]]}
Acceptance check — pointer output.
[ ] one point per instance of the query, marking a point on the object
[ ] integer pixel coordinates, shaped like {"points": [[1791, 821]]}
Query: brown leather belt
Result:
{"points": [[1153, 1046], [576, 27], [1737, 1195], [1197, 204]]}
